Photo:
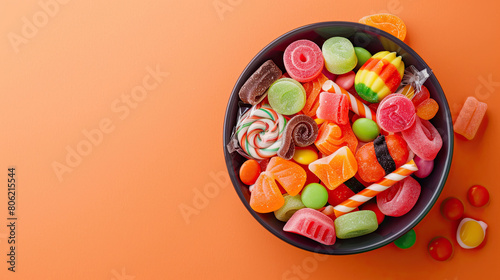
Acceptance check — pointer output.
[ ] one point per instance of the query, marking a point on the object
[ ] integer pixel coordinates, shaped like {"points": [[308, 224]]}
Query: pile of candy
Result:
{"points": [[340, 127]]}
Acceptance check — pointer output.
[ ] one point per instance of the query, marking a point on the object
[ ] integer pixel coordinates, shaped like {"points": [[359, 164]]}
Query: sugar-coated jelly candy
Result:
{"points": [[312, 224], [407, 240], [266, 196], [423, 139], [305, 155], [420, 96], [303, 60], [314, 196], [313, 89], [336, 168], [470, 117], [365, 129], [381, 157], [395, 113], [339, 194], [372, 206], [290, 175], [292, 205], [346, 80], [286, 96], [379, 76], [356, 224], [388, 22], [254, 89], [440, 248], [249, 172], [332, 136], [400, 198], [363, 55], [339, 55], [471, 233], [478, 196], [427, 109], [452, 208], [425, 167], [333, 107]]}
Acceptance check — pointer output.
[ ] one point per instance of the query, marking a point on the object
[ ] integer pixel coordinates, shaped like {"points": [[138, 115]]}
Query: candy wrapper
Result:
{"points": [[414, 78]]}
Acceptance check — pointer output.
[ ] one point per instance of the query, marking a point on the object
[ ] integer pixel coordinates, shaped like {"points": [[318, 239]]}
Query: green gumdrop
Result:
{"points": [[363, 55], [286, 96], [407, 240], [339, 55], [314, 196], [356, 224], [365, 129], [292, 205]]}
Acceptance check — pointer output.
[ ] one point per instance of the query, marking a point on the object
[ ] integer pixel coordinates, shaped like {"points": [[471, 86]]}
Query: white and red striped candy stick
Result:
{"points": [[374, 189], [358, 107]]}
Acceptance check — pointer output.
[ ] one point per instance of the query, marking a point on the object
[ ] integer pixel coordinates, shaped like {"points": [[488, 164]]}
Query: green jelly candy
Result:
{"points": [[407, 240], [339, 55], [363, 55], [292, 204], [286, 96], [314, 196], [365, 129], [356, 224]]}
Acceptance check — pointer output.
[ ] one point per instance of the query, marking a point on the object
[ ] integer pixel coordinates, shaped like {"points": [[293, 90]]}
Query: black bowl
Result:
{"points": [[374, 40]]}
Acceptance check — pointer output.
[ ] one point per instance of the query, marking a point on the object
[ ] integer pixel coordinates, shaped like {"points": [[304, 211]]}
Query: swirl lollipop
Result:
{"points": [[260, 130]]}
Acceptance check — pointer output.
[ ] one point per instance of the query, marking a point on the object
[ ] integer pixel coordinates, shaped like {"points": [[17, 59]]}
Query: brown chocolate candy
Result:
{"points": [[254, 89], [300, 131]]}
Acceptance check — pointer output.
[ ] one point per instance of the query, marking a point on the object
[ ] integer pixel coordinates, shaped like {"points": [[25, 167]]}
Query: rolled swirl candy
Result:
{"points": [[379, 76], [300, 131], [374, 189], [357, 106], [260, 131]]}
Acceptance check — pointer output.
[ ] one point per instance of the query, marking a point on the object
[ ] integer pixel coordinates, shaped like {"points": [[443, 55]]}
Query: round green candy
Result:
{"points": [[286, 96], [339, 55], [365, 129], [292, 205], [363, 55], [356, 224], [314, 196], [407, 240]]}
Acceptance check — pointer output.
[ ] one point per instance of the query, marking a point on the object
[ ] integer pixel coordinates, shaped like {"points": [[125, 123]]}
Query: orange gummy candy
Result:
{"points": [[266, 196], [332, 137], [387, 22], [336, 168], [290, 175], [313, 88], [427, 109], [408, 91], [470, 118]]}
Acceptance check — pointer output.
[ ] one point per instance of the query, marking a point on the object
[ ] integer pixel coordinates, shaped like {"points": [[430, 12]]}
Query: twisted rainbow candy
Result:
{"points": [[379, 76], [260, 131]]}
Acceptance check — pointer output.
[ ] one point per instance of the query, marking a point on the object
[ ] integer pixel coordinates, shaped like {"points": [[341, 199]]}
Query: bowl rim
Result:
{"points": [[227, 131]]}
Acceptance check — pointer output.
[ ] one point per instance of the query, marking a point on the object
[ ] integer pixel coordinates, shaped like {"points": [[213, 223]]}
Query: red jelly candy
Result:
{"points": [[312, 224], [339, 194], [420, 96], [440, 248], [478, 196], [303, 60], [452, 208], [395, 113], [400, 198], [333, 107]]}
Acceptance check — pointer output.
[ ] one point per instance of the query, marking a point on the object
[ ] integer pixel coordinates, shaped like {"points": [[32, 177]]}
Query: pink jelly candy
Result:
{"points": [[312, 224], [328, 74], [346, 80], [400, 198], [333, 107], [424, 167], [423, 139], [303, 60], [395, 113]]}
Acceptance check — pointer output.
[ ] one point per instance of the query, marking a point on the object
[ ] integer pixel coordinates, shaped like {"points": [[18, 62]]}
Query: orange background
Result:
{"points": [[117, 214]]}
